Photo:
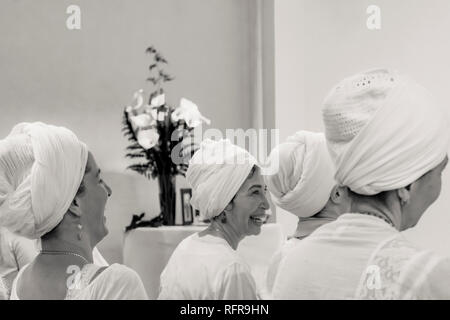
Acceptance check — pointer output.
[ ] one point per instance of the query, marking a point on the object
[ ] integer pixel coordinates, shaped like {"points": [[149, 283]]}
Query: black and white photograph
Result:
{"points": [[254, 150], [188, 215]]}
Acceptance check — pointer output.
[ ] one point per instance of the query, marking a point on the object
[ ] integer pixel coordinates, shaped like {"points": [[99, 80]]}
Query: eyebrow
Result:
{"points": [[255, 186]]}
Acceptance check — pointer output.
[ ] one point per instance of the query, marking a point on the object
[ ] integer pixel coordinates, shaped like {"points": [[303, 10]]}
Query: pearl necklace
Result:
{"points": [[388, 221], [65, 253]]}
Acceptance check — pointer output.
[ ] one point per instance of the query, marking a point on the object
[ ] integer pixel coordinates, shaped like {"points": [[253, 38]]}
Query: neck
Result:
{"points": [[225, 231], [329, 212], [64, 245], [306, 226], [370, 204]]}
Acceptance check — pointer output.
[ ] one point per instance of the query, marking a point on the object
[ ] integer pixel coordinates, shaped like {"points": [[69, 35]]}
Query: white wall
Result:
{"points": [[83, 79], [319, 42]]}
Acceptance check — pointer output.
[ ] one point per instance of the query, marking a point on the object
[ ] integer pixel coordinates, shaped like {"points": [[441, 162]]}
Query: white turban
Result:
{"points": [[216, 172], [304, 179], [384, 131], [41, 169]]}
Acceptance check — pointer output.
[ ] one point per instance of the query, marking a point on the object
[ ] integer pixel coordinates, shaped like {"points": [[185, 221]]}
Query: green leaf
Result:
{"points": [[135, 146], [150, 50]]}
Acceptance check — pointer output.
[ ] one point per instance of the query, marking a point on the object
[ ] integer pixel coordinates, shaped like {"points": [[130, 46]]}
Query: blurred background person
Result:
{"points": [[304, 185]]}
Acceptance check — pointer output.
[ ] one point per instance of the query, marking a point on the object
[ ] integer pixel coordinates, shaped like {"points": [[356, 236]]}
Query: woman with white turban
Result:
{"points": [[228, 189], [51, 189], [303, 185], [388, 140]]}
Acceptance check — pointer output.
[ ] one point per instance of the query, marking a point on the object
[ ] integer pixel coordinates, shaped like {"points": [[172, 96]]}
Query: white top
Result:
{"points": [[15, 252], [276, 260], [361, 256], [206, 268], [116, 282]]}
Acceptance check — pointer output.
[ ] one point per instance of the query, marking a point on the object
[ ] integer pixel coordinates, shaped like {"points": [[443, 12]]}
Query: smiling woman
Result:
{"points": [[51, 189], [248, 210], [228, 189]]}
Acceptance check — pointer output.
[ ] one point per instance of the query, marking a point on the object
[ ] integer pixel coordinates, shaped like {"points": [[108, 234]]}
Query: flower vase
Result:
{"points": [[167, 198]]}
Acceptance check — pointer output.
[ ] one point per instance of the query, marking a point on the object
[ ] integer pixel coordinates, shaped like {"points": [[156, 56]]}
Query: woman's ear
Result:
{"points": [[338, 193], [75, 208], [229, 207], [404, 195]]}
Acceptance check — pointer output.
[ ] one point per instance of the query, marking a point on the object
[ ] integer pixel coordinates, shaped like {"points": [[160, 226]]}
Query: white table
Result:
{"points": [[147, 251]]}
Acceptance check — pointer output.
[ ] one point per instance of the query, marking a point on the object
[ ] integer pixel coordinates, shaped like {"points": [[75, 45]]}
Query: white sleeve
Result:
{"points": [[119, 282], [273, 270], [3, 290], [236, 283], [436, 285], [23, 249]]}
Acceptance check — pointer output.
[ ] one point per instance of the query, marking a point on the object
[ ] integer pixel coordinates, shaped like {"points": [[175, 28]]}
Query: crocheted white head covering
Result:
{"points": [[384, 131], [41, 169], [216, 172], [304, 179]]}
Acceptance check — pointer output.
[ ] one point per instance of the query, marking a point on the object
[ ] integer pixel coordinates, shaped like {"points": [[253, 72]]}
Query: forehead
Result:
{"points": [[255, 179], [91, 164]]}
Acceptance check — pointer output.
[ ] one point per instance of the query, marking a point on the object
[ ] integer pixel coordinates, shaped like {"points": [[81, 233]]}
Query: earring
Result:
{"points": [[223, 219], [80, 227], [402, 202]]}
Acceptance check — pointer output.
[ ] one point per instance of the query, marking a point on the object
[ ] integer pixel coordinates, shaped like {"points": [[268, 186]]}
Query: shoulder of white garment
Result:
{"points": [[235, 282], [436, 283], [119, 282], [16, 250]]}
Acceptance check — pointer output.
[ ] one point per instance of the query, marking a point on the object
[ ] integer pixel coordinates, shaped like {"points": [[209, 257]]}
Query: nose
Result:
{"points": [[265, 203]]}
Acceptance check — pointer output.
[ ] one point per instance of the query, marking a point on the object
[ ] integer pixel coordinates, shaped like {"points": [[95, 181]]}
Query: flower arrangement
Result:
{"points": [[156, 131]]}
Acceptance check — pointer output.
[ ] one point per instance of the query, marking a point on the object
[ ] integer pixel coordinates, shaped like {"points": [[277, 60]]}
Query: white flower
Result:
{"points": [[158, 101], [138, 98], [143, 126], [140, 122], [153, 113], [139, 107], [148, 138], [188, 111]]}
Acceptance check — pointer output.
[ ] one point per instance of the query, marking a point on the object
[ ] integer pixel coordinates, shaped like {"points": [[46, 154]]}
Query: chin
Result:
{"points": [[102, 234], [254, 231], [105, 232]]}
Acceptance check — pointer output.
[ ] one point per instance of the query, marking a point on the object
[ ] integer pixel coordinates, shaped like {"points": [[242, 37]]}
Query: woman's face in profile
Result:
{"points": [[424, 192], [250, 205], [93, 201]]}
